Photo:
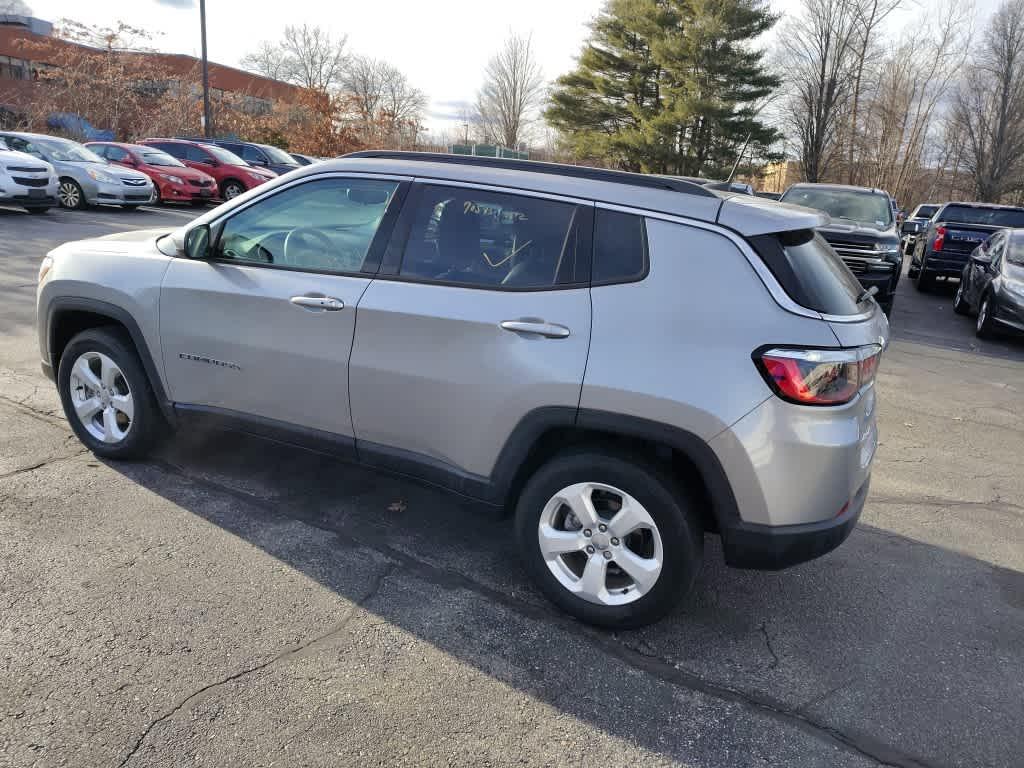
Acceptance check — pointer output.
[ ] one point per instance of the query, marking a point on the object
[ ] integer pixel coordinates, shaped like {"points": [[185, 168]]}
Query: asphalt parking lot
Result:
{"points": [[236, 602]]}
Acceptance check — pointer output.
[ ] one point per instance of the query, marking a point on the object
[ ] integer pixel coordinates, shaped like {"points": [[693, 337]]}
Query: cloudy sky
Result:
{"points": [[442, 45]]}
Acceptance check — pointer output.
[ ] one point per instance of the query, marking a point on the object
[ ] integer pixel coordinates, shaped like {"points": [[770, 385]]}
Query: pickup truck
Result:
{"points": [[954, 231], [915, 224]]}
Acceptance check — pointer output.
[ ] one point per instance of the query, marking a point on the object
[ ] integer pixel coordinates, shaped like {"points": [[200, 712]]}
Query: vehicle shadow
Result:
{"points": [[887, 648]]}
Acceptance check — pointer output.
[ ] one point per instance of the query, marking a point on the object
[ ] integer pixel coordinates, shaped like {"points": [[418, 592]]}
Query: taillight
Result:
{"points": [[819, 376], [940, 238]]}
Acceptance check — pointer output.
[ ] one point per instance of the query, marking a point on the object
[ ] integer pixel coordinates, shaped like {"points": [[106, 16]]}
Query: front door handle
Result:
{"points": [[539, 327], [323, 303]]}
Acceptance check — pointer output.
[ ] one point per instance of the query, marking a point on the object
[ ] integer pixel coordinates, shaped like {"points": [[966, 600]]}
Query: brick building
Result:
{"points": [[27, 43]]}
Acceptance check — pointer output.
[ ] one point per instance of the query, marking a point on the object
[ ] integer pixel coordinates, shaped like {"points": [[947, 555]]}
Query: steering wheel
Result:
{"points": [[302, 237]]}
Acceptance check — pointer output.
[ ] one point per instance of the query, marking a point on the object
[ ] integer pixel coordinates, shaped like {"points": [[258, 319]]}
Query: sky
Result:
{"points": [[443, 45]]}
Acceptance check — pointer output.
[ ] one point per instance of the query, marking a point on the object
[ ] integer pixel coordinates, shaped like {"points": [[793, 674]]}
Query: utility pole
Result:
{"points": [[207, 117]]}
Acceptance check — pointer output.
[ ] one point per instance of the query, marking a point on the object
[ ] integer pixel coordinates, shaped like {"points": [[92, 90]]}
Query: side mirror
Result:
{"points": [[197, 242], [911, 227]]}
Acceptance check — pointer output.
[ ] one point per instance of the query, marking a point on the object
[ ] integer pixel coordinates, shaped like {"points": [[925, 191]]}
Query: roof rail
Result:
{"points": [[533, 166]]}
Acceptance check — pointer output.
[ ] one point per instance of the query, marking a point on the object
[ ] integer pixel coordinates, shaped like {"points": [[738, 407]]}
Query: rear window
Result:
{"points": [[811, 272], [992, 217]]}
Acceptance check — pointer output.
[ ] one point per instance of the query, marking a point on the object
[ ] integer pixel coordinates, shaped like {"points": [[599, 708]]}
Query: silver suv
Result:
{"points": [[625, 361]]}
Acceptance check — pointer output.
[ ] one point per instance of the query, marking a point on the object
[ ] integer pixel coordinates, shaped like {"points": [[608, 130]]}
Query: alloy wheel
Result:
{"points": [[69, 194], [101, 397], [600, 543], [232, 191]]}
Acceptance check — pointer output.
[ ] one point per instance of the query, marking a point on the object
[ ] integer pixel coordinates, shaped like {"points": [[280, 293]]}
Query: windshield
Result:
{"points": [[991, 217], [68, 152], [925, 211], [868, 208], [278, 156], [228, 158], [156, 157]]}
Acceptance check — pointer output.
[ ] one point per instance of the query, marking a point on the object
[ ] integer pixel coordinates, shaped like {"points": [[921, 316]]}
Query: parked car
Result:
{"points": [[992, 284], [769, 195], [259, 155], [233, 175], [174, 181], [26, 181], [722, 186], [304, 159], [953, 233], [862, 231], [915, 224], [85, 178], [467, 321]]}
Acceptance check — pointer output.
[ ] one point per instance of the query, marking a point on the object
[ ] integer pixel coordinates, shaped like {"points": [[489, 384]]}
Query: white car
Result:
{"points": [[26, 181]]}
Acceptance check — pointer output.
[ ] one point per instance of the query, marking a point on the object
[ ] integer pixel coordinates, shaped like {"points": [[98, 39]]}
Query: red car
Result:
{"points": [[174, 181], [234, 176]]}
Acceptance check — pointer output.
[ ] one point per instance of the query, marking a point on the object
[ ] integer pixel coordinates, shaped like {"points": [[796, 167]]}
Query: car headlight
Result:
{"points": [[101, 176], [45, 267], [174, 179], [256, 176]]}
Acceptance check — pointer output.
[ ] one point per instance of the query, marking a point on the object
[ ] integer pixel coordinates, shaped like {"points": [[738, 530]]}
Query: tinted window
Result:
{"points": [[19, 144], [174, 150], [620, 247], [323, 225], [100, 149], [925, 211], [861, 206], [1015, 251], [226, 157], [490, 239], [195, 154], [993, 217], [811, 272]]}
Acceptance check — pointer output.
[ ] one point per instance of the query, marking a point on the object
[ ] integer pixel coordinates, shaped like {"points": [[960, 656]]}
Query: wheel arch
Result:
{"points": [[547, 431], [69, 316]]}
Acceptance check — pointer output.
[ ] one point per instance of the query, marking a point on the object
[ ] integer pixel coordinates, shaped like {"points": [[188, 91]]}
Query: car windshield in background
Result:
{"points": [[278, 156], [151, 157], [228, 158], [990, 217], [867, 208], [926, 211], [69, 152]]}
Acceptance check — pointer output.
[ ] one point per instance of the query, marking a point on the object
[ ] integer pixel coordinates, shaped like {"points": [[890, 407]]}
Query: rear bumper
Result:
{"points": [[945, 264], [773, 547]]}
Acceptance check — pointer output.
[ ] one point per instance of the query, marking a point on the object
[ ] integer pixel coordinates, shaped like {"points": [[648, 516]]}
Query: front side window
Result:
{"points": [[252, 155], [490, 240], [324, 225], [226, 157], [22, 145], [116, 154], [196, 155], [156, 157], [70, 152]]}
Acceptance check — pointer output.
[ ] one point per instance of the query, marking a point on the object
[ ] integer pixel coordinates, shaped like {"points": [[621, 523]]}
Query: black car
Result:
{"points": [[992, 284], [915, 224], [953, 233], [862, 232], [262, 155]]}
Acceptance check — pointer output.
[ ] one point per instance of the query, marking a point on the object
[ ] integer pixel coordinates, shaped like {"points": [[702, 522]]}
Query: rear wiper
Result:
{"points": [[867, 293]]}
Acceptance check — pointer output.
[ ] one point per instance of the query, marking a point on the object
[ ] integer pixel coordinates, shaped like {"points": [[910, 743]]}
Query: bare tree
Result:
{"points": [[990, 106], [868, 15], [16, 7], [512, 90], [306, 56], [401, 101], [820, 62], [364, 82]]}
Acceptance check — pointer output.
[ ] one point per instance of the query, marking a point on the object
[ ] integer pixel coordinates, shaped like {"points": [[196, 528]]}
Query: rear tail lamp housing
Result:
{"points": [[818, 376], [940, 238]]}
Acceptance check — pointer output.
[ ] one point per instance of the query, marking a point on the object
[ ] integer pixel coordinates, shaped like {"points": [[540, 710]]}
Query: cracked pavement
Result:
{"points": [[236, 602]]}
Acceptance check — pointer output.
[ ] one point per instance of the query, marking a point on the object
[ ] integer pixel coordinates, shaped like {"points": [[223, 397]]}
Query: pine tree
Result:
{"points": [[669, 86]]}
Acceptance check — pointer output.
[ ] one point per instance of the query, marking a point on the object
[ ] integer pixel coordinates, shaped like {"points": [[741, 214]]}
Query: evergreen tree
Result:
{"points": [[669, 86]]}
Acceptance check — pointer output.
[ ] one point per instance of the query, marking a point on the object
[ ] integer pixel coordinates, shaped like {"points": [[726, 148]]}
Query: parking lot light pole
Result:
{"points": [[207, 118]]}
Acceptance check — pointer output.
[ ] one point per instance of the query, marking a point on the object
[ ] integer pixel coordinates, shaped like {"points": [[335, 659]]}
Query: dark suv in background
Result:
{"points": [[862, 232], [260, 155]]}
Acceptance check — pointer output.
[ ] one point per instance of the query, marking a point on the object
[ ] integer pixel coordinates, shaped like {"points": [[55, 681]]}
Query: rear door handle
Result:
{"points": [[539, 327], [323, 303]]}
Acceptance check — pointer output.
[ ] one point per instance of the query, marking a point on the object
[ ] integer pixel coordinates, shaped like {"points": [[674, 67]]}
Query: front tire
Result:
{"points": [[610, 541], [231, 190], [106, 394], [70, 195]]}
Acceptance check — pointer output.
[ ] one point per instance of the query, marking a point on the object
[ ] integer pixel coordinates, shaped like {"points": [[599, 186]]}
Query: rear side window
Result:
{"points": [[493, 240], [811, 272], [620, 247]]}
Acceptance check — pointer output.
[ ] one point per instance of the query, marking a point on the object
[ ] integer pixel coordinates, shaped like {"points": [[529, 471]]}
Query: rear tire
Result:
{"points": [[665, 551], [925, 280], [986, 327], [960, 305], [107, 397]]}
